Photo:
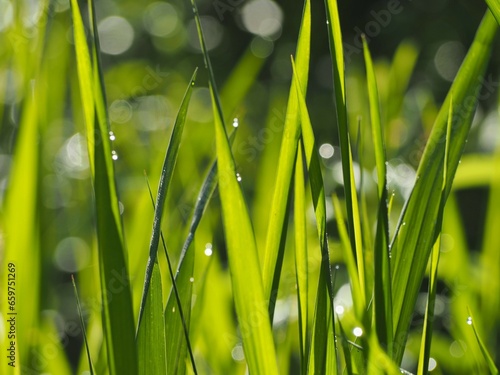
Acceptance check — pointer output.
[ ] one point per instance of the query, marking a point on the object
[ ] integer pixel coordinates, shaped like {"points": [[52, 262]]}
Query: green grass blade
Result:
{"points": [[484, 349], [494, 6], [425, 347], [353, 220], [277, 214], [178, 342], [382, 273], [248, 290], [165, 178], [250, 301], [349, 260], [177, 318], [151, 335], [318, 352], [319, 203], [301, 258], [118, 319], [82, 324], [19, 220], [84, 68], [411, 247]]}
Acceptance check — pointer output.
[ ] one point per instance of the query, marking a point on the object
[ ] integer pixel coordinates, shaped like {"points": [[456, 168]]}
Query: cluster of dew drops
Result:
{"points": [[112, 138]]}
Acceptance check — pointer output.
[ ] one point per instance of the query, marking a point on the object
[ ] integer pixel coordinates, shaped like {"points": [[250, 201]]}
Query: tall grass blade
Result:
{"points": [[22, 249], [118, 318], [382, 295], [411, 247], [246, 278], [82, 324], [301, 258], [425, 347], [484, 349], [319, 203], [165, 178], [277, 227], [353, 220]]}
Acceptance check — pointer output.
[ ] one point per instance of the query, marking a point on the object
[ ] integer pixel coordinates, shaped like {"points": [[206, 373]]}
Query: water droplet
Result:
{"points": [[404, 223], [337, 267], [114, 155], [358, 332], [208, 249], [339, 309], [191, 279], [469, 320], [235, 122], [112, 136], [238, 177], [460, 161], [173, 309], [432, 364]]}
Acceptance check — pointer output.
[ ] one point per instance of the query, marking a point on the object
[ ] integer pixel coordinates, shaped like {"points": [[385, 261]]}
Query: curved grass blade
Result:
{"points": [[118, 319], [411, 248], [84, 331], [382, 294], [165, 178], [277, 227], [246, 278], [489, 360]]}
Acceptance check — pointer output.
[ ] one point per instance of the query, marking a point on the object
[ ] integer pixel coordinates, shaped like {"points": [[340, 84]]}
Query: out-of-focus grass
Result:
{"points": [[270, 276]]}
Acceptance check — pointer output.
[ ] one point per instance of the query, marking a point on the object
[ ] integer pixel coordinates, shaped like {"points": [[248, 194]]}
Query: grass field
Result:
{"points": [[159, 219]]}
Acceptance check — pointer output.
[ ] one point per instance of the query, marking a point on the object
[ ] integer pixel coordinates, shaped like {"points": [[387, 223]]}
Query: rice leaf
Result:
{"points": [[165, 178], [250, 301], [276, 226], [301, 258], [118, 317], [353, 219], [382, 297], [411, 248]]}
